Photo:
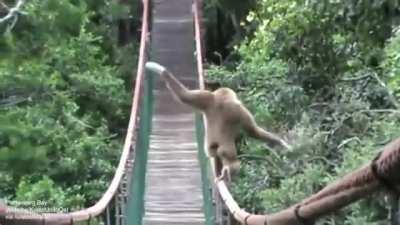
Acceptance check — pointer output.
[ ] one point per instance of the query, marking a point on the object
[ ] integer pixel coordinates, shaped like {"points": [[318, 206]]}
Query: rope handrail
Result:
{"points": [[352, 187], [199, 53], [13, 214]]}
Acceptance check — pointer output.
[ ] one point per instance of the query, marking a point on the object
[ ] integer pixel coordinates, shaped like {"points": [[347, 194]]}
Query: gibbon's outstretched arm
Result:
{"points": [[199, 99], [251, 127]]}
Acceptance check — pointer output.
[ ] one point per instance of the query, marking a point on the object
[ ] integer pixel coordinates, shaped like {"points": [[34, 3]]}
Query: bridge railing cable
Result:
{"points": [[380, 174], [114, 198]]}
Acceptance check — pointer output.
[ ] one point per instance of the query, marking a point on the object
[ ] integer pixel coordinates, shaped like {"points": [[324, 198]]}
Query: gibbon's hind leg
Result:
{"points": [[217, 166], [222, 172], [255, 131], [199, 99], [229, 169], [225, 174], [230, 164]]}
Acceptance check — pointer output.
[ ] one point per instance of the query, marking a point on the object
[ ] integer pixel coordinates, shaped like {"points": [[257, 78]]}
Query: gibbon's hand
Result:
{"points": [[155, 67], [282, 145], [286, 145]]}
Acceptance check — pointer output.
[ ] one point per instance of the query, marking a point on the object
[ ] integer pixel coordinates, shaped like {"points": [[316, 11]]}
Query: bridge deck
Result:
{"points": [[173, 193]]}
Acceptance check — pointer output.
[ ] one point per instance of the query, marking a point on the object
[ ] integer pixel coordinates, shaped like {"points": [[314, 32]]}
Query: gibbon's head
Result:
{"points": [[225, 93], [155, 67]]}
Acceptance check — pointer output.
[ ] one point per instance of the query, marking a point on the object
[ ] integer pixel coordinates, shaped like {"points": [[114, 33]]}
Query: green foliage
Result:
{"points": [[294, 187], [319, 40], [64, 102], [325, 76], [391, 64], [43, 189]]}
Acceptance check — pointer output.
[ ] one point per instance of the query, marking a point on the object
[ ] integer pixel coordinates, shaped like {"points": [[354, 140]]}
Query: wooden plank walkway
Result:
{"points": [[173, 193]]}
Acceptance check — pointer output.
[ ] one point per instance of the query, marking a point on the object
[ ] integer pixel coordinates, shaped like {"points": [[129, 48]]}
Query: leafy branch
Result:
{"points": [[381, 83]]}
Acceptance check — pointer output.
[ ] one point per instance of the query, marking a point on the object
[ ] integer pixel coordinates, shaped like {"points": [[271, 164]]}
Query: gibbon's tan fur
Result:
{"points": [[225, 116]]}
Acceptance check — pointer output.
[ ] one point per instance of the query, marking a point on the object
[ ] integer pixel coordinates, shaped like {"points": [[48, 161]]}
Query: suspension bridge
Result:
{"points": [[163, 176]]}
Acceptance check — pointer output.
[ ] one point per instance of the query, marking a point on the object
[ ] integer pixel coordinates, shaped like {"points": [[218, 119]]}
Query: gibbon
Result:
{"points": [[225, 116]]}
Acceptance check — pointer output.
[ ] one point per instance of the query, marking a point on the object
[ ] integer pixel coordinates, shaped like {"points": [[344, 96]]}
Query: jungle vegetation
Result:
{"points": [[323, 74], [65, 93]]}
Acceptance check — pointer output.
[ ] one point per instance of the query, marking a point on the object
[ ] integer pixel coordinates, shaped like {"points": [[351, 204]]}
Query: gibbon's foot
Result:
{"points": [[225, 173], [221, 177], [155, 67]]}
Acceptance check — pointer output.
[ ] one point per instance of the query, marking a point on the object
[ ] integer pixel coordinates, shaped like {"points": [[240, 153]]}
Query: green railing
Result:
{"points": [[135, 208], [206, 173]]}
